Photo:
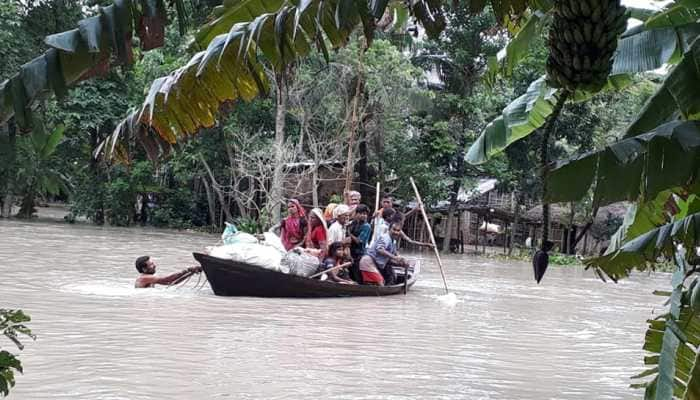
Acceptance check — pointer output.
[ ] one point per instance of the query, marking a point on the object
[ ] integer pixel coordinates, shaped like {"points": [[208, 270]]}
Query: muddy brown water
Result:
{"points": [[572, 337]]}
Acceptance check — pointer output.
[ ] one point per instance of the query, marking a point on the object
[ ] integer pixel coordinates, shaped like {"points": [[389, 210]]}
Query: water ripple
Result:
{"points": [[498, 335]]}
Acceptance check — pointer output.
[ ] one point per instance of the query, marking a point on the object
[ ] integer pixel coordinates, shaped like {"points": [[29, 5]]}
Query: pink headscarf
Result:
{"points": [[300, 210]]}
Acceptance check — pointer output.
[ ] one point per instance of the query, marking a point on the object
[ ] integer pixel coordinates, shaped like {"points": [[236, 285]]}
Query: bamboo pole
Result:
{"points": [[376, 206], [337, 267], [430, 233]]}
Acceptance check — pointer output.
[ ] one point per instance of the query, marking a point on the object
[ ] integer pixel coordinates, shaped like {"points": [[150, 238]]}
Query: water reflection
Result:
{"points": [[503, 336]]}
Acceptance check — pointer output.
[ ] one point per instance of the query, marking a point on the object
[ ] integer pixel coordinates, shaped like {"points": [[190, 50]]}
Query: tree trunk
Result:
{"points": [[362, 169], [516, 220], [8, 197], [456, 184], [210, 201], [219, 194], [314, 184], [274, 200], [94, 168]]}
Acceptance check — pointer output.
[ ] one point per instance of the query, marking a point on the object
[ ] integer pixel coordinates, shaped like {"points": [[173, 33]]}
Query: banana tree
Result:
{"points": [[81, 53], [36, 175]]}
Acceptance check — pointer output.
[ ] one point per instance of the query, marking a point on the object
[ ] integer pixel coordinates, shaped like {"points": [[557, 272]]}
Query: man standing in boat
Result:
{"points": [[147, 270]]}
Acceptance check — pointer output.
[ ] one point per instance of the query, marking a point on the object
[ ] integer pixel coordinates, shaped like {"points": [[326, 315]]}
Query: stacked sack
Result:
{"points": [[268, 253]]}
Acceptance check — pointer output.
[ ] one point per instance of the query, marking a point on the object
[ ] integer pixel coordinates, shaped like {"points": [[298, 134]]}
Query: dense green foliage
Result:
{"points": [[12, 328]]}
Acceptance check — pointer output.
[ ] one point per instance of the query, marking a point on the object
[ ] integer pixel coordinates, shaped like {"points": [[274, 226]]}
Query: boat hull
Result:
{"points": [[230, 278]]}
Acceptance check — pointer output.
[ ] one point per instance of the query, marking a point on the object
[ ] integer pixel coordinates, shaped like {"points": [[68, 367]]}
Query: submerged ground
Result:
{"points": [[572, 337]]}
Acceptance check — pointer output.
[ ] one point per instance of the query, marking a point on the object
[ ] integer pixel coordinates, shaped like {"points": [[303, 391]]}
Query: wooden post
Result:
{"points": [[476, 242], [430, 232]]}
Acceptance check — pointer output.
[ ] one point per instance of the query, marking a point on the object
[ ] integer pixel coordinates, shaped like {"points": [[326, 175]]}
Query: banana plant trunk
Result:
{"points": [[8, 196], [544, 159], [27, 209]]}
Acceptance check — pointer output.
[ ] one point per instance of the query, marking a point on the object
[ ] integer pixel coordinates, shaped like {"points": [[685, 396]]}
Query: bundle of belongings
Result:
{"points": [[268, 252]]}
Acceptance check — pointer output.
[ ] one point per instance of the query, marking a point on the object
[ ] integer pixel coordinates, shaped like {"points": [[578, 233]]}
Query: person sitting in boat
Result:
{"points": [[359, 232], [318, 231], [337, 255], [377, 267], [147, 268], [293, 228], [337, 232]]}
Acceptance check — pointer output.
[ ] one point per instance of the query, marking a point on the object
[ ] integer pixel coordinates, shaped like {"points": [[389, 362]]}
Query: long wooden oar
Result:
{"points": [[376, 207], [341, 266], [430, 232]]}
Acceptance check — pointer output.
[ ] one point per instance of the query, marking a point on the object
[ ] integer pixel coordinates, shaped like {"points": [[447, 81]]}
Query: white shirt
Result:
{"points": [[336, 233], [380, 228]]}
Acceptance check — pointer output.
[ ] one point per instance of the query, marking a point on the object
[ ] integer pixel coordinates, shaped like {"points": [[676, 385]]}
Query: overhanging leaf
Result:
{"points": [[644, 251], [676, 14], [680, 92], [643, 165], [517, 48], [520, 118]]}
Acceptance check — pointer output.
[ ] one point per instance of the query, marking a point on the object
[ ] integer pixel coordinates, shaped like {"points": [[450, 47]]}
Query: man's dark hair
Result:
{"points": [[141, 263], [398, 223], [396, 218], [387, 213], [362, 209], [387, 196]]}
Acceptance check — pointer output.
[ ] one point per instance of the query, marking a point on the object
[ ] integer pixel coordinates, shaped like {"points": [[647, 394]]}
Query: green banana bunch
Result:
{"points": [[582, 41]]}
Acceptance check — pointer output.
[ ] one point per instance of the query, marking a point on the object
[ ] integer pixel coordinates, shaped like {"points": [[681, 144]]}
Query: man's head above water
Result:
{"points": [[145, 265]]}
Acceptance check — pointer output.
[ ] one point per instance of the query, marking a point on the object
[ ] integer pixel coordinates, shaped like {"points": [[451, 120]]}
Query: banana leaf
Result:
{"points": [[680, 93], [80, 53], [517, 48], [189, 98], [675, 14], [641, 217], [524, 115], [639, 50], [670, 343], [645, 250], [234, 12], [644, 165]]}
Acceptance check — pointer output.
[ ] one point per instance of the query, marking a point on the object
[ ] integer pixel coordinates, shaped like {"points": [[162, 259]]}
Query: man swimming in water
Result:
{"points": [[147, 268]]}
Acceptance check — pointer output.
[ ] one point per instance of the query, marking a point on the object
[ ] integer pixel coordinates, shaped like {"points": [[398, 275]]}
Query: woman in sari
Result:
{"points": [[293, 227], [316, 237]]}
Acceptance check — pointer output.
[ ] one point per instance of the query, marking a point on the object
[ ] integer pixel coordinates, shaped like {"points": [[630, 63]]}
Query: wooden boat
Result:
{"points": [[231, 278]]}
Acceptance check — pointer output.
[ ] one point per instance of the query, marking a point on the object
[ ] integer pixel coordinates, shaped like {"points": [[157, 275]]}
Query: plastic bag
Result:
{"points": [[273, 240], [300, 263], [251, 253], [232, 235]]}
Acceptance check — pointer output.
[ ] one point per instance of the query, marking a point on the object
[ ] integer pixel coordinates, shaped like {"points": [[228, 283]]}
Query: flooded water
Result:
{"points": [[503, 337]]}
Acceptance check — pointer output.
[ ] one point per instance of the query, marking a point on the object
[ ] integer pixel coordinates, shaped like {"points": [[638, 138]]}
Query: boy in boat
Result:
{"points": [[147, 268], [359, 233]]}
